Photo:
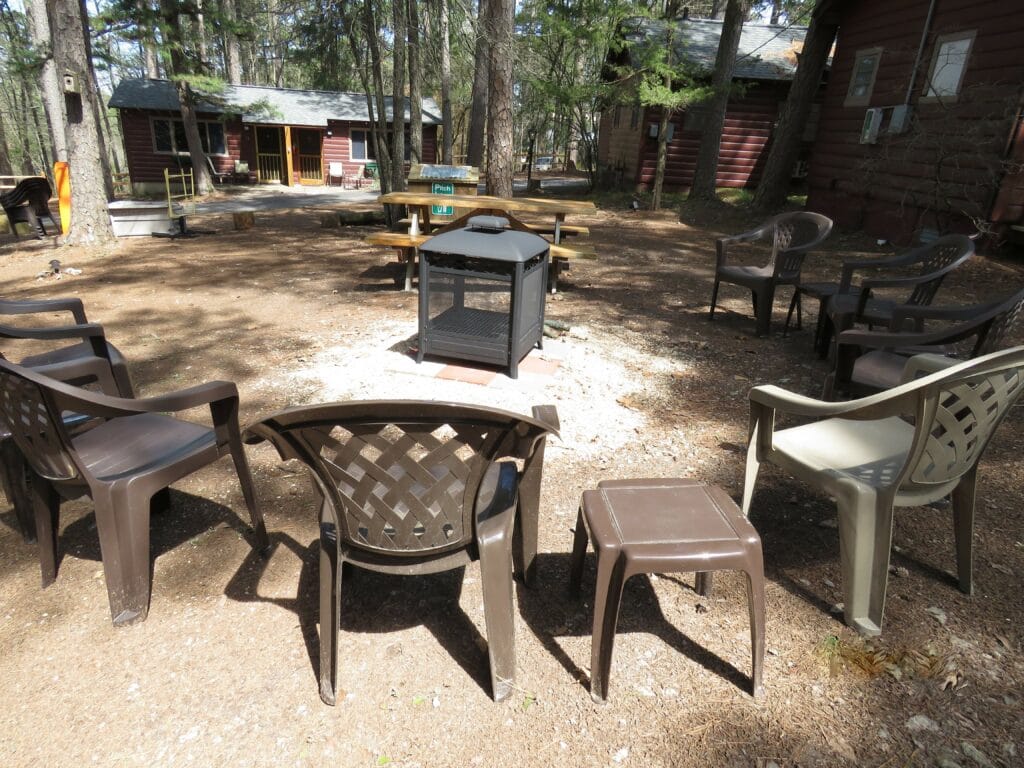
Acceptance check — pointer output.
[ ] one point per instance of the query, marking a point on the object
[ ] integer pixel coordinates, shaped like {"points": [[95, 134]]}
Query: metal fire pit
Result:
{"points": [[482, 293]]}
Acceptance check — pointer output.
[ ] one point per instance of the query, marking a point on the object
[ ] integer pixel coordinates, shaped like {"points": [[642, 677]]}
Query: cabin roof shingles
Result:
{"points": [[262, 104], [766, 51]]}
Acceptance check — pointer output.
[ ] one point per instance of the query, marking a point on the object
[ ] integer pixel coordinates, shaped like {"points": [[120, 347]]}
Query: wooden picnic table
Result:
{"points": [[422, 201], [407, 243]]}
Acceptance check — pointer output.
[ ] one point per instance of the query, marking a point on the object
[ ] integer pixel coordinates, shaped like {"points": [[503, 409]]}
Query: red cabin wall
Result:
{"points": [[950, 166], [748, 126]]}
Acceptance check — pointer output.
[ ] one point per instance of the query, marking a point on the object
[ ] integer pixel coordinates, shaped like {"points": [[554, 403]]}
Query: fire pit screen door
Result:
{"points": [[482, 292]]}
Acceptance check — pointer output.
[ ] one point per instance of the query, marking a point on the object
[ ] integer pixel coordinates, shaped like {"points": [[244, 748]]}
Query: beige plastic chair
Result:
{"points": [[870, 457], [335, 170]]}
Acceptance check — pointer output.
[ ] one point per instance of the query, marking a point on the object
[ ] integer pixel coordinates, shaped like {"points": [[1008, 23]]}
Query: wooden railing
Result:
{"points": [[311, 168], [269, 166]]}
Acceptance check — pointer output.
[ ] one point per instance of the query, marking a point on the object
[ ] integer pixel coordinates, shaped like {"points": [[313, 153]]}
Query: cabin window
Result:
{"points": [[169, 137], [616, 116], [862, 82], [949, 62], [361, 145]]}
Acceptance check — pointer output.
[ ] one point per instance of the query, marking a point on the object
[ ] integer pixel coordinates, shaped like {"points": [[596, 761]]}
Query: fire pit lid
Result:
{"points": [[488, 237]]}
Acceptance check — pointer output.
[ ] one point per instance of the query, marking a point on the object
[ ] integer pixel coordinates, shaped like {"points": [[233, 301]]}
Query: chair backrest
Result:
{"points": [[402, 476], [999, 324], [960, 410], [34, 191], [938, 259], [30, 414], [794, 234], [241, 166]]}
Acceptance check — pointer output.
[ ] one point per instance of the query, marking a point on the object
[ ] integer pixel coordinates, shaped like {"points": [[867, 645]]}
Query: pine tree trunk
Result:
{"points": [[199, 29], [785, 146], [49, 84], [706, 174], [90, 220], [277, 60], [500, 155], [398, 75], [662, 162], [415, 86], [447, 126], [481, 80], [232, 51], [144, 12], [5, 153]]}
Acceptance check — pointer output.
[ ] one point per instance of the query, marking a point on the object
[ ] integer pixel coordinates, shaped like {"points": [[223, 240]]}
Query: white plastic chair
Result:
{"points": [[905, 447], [335, 171]]}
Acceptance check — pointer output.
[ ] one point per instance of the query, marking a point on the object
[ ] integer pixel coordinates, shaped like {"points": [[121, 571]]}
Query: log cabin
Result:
{"points": [[922, 126], [766, 61], [284, 136]]}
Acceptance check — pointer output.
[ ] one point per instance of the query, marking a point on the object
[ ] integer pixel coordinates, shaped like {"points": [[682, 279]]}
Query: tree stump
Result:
{"points": [[244, 220]]}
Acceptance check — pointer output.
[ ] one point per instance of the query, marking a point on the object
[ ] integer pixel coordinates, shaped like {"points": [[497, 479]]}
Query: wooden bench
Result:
{"points": [[407, 244]]}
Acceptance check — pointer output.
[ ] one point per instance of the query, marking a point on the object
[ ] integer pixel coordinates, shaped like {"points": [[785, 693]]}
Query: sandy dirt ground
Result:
{"points": [[223, 672]]}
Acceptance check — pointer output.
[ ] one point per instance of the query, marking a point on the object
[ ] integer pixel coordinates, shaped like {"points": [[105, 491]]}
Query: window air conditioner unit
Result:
{"points": [[899, 120], [872, 123]]}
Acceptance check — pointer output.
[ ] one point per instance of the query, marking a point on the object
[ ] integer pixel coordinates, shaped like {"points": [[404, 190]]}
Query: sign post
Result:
{"points": [[442, 188]]}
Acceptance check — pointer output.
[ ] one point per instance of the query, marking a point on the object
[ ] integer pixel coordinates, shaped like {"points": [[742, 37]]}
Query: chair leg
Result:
{"points": [[330, 610], [46, 504], [714, 299], [245, 480], [755, 605], [764, 298], [865, 541], [704, 583], [524, 547], [579, 553], [496, 580], [963, 529], [14, 478], [122, 522], [607, 599], [750, 474], [794, 303]]}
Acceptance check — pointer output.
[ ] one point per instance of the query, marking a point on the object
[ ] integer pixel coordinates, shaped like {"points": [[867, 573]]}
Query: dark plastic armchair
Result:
{"points": [[791, 236], [91, 361], [410, 487], [933, 262], [121, 463], [29, 202], [905, 447], [872, 361]]}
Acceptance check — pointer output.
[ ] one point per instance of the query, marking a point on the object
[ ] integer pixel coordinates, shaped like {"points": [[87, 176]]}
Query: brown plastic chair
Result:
{"points": [[121, 463], [91, 361], [933, 262], [904, 447], [870, 361], [663, 526], [29, 202], [410, 487], [791, 236]]}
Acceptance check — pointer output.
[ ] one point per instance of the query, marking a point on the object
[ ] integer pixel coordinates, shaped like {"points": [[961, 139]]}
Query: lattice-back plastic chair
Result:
{"points": [[91, 361], [870, 361], [792, 236], [29, 202], [411, 487], [121, 463], [933, 262], [904, 447]]}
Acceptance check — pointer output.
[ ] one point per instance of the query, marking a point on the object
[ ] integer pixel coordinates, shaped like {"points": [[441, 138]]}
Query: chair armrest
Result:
{"points": [[899, 340], [94, 404], [925, 365], [81, 331], [34, 306], [918, 312]]}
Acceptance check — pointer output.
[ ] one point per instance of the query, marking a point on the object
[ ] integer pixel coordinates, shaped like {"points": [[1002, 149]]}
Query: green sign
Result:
{"points": [[442, 188]]}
